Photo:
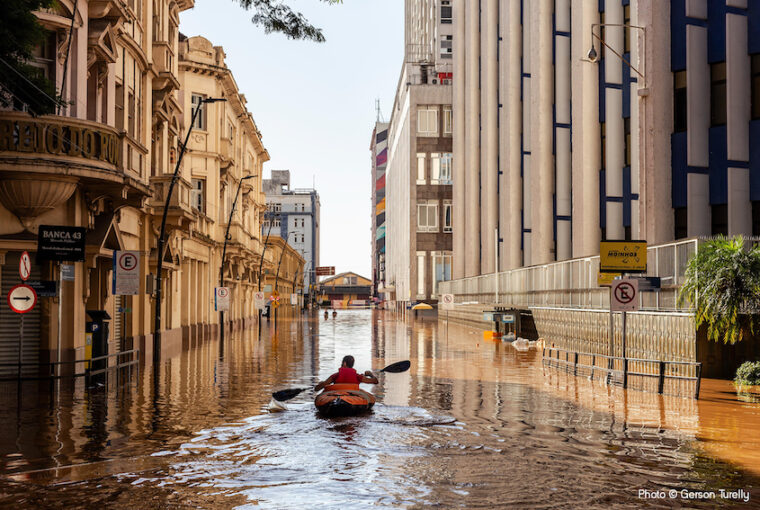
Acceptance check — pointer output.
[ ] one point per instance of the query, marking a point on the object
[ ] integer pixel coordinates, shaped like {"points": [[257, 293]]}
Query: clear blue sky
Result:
{"points": [[315, 103]]}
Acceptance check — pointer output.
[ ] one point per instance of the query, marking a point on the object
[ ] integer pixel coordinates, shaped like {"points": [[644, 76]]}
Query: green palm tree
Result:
{"points": [[722, 282]]}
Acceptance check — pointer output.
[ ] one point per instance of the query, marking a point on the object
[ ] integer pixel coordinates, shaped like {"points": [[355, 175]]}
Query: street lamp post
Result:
{"points": [[162, 233], [224, 250], [261, 263]]}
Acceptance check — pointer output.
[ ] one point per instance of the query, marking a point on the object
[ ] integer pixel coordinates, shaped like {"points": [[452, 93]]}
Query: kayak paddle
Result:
{"points": [[393, 368]]}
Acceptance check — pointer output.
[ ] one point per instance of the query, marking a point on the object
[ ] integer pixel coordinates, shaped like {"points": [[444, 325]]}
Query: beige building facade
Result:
{"points": [[103, 164]]}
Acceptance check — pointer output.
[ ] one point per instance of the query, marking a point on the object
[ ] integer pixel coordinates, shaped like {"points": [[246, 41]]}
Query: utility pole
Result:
{"points": [[224, 250]]}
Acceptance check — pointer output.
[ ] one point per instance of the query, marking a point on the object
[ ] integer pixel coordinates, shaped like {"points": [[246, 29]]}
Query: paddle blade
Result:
{"points": [[283, 395], [399, 366]]}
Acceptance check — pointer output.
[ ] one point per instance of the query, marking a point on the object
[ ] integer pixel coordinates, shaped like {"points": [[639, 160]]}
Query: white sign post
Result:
{"points": [[222, 299], [624, 297], [260, 301], [126, 273], [447, 301]]}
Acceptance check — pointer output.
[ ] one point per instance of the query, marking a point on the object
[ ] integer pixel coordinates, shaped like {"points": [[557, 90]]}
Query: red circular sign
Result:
{"points": [[625, 293], [222, 292], [25, 266], [22, 298], [128, 262]]}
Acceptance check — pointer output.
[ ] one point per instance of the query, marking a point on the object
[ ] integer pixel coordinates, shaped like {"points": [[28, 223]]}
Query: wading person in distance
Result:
{"points": [[347, 374]]}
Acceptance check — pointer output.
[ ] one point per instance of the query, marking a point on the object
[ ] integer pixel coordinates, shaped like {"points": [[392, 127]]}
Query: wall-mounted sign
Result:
{"points": [[44, 288], [222, 299], [126, 273], [25, 266], [59, 139], [67, 272], [22, 299], [623, 256], [61, 243], [606, 279]]}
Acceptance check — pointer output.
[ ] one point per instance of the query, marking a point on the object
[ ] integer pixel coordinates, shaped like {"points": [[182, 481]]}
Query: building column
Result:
{"points": [[489, 154], [586, 144], [510, 120], [614, 138], [527, 137], [458, 107], [739, 104], [472, 140], [657, 223], [542, 135], [562, 129]]}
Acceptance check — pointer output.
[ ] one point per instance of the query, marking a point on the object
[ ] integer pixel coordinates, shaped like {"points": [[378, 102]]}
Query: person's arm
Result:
{"points": [[326, 382], [369, 378]]}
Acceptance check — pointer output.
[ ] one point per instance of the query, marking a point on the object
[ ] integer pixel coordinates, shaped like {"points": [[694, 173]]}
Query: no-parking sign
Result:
{"points": [[447, 301], [222, 299], [624, 295], [126, 273], [260, 300]]}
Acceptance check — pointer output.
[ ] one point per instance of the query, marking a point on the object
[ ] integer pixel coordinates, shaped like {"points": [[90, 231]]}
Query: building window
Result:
{"points": [[447, 43], [679, 102], [197, 195], [448, 120], [43, 56], [427, 216], [680, 216], [200, 119], [427, 120], [719, 213], [440, 168], [421, 168], [276, 222], [446, 15], [447, 216], [421, 274], [756, 86], [441, 269], [718, 94], [119, 99]]}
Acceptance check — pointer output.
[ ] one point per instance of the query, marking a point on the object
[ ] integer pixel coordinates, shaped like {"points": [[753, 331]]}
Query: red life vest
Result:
{"points": [[346, 375]]}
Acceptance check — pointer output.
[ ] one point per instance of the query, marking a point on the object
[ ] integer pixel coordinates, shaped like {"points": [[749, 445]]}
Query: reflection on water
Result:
{"points": [[473, 424]]}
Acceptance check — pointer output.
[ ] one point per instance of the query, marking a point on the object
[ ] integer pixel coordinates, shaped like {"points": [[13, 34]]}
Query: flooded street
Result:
{"points": [[473, 424]]}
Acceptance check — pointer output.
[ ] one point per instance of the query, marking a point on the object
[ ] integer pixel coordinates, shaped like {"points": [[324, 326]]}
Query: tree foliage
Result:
{"points": [[20, 32], [275, 16], [722, 282]]}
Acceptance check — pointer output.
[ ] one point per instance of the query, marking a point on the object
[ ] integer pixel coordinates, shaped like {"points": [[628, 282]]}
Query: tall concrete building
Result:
{"points": [[419, 170], [379, 151], [647, 137], [293, 214]]}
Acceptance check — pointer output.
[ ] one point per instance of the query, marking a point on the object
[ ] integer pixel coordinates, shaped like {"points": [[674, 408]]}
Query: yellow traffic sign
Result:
{"points": [[623, 256], [606, 279]]}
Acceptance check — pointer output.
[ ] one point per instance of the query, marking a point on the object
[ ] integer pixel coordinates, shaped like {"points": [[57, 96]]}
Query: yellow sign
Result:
{"points": [[606, 279], [623, 256]]}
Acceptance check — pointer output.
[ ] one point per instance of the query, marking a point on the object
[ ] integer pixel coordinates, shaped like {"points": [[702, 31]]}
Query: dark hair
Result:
{"points": [[349, 361]]}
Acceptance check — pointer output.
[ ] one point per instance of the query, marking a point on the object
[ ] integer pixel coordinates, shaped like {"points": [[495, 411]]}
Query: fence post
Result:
{"points": [[625, 373], [661, 385], [575, 367], [593, 365], [699, 380]]}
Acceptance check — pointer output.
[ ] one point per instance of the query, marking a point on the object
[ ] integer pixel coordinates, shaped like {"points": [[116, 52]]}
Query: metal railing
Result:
{"points": [[47, 370], [573, 283], [684, 376]]}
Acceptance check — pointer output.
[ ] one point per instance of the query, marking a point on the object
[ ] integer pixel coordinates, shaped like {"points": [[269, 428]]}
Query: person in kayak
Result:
{"points": [[347, 374]]}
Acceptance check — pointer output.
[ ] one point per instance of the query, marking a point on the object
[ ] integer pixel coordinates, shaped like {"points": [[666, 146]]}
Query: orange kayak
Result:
{"points": [[343, 400]]}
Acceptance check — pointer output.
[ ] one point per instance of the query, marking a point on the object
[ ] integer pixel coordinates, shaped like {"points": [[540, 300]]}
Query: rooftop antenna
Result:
{"points": [[379, 113]]}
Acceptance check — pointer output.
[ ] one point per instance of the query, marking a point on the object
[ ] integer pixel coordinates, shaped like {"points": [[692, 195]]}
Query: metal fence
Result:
{"points": [[679, 378], [573, 283]]}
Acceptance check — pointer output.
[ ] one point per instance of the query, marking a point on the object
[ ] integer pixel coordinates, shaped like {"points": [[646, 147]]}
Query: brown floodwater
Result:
{"points": [[473, 424]]}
